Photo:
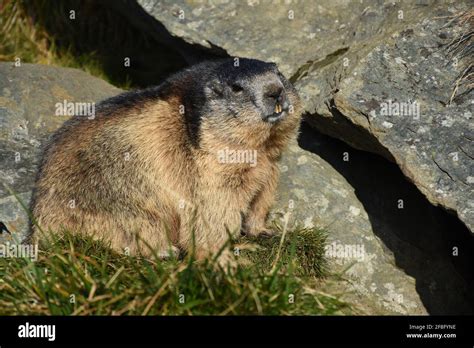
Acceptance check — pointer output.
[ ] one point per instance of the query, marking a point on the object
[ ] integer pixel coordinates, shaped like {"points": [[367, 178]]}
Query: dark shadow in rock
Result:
{"points": [[118, 36], [146, 23], [420, 235]]}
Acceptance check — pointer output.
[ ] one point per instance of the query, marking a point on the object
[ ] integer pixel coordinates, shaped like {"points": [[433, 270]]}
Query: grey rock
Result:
{"points": [[28, 97], [379, 247], [291, 33], [431, 136], [313, 194], [410, 234]]}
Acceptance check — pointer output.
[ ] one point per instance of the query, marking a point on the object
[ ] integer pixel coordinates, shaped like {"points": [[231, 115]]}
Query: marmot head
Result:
{"points": [[241, 101], [250, 89]]}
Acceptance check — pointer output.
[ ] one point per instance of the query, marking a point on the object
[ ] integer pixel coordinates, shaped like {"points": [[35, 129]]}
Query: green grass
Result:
{"points": [[21, 37], [78, 276]]}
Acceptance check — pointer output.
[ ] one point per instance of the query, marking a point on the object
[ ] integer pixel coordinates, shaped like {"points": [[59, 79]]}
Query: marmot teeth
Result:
{"points": [[278, 108]]}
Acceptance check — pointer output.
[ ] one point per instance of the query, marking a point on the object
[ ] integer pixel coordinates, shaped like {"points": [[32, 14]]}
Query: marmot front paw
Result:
{"points": [[262, 232]]}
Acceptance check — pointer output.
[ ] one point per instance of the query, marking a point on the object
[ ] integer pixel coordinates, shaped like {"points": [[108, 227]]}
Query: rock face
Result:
{"points": [[259, 29], [397, 98], [28, 97], [314, 194], [354, 63], [355, 196], [380, 246]]}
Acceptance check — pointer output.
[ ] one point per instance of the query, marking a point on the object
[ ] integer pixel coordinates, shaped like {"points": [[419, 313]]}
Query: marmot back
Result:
{"points": [[197, 154]]}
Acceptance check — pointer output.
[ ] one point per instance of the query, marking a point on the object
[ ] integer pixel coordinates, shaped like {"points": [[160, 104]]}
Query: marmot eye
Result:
{"points": [[236, 88]]}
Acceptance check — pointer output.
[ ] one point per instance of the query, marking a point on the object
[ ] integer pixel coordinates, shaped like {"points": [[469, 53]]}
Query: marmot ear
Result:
{"points": [[215, 87]]}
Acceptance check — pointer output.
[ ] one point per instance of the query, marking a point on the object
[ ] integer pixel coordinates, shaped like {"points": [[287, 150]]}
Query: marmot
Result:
{"points": [[193, 160]]}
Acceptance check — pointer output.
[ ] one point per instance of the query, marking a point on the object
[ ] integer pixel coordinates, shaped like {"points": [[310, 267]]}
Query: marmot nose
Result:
{"points": [[276, 93]]}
